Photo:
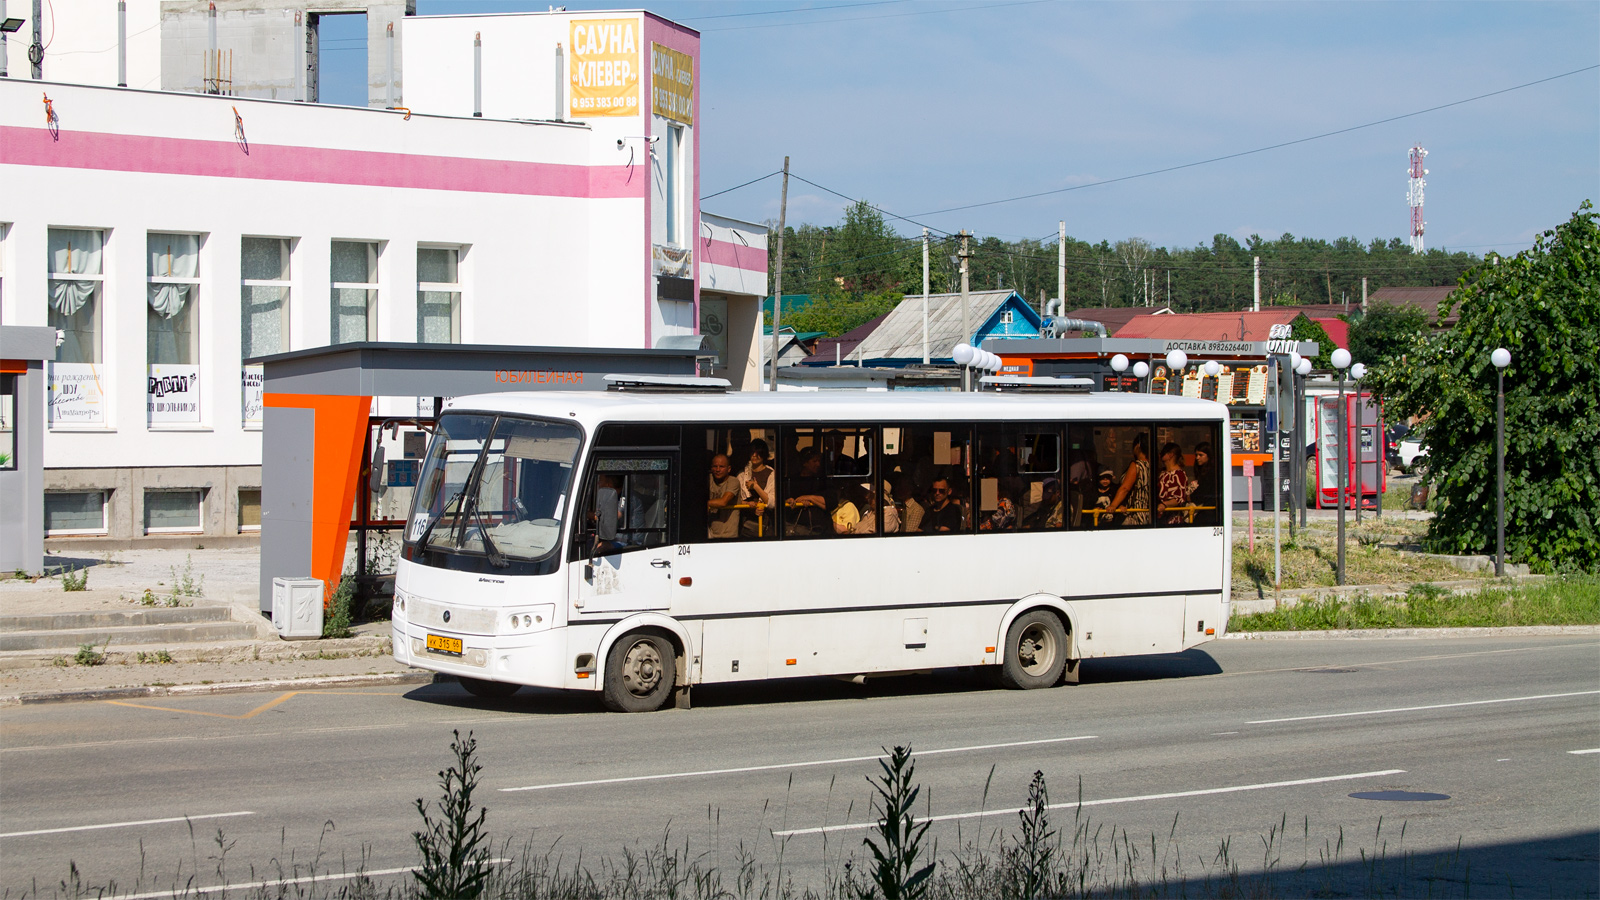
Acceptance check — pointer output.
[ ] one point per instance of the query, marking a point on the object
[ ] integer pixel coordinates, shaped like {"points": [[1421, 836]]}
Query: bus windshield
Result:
{"points": [[492, 494]]}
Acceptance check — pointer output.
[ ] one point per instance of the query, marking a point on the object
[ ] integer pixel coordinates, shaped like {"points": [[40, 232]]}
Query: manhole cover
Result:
{"points": [[1330, 670], [1398, 795]]}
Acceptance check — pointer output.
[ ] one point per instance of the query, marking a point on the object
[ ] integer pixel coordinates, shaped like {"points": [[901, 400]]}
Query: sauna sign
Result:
{"points": [[604, 68]]}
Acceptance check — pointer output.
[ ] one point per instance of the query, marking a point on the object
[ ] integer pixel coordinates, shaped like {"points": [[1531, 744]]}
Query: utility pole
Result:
{"points": [[777, 287], [925, 358], [966, 311], [1363, 293], [1256, 307], [1169, 288], [36, 49], [1061, 265]]}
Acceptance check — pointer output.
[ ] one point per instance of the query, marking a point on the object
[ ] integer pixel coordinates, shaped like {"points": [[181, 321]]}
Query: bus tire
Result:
{"points": [[488, 690], [641, 671], [1035, 651]]}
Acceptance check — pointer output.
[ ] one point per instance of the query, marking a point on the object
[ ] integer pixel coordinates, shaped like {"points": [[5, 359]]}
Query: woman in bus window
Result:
{"points": [[1132, 501], [1172, 485], [758, 481], [807, 502], [1203, 487]]}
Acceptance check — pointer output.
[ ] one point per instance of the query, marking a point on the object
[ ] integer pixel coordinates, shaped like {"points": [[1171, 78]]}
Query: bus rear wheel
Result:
{"points": [[641, 672], [488, 690], [1035, 651]]}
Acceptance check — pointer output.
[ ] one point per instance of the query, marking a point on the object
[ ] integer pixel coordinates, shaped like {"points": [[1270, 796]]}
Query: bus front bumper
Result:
{"points": [[532, 659]]}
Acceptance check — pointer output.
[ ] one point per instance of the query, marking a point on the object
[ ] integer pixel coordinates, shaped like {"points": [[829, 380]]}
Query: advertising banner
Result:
{"points": [[671, 84], [174, 395], [255, 378], [604, 71], [76, 394]]}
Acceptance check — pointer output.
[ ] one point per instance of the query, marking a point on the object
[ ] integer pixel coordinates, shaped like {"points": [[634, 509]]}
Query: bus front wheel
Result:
{"points": [[1035, 651], [640, 673]]}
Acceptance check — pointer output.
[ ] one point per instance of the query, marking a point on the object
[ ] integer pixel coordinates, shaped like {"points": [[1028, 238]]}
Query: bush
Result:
{"points": [[336, 624]]}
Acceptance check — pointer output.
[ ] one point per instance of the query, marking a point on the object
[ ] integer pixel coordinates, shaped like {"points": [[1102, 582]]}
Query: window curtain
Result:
{"points": [[172, 256], [73, 252]]}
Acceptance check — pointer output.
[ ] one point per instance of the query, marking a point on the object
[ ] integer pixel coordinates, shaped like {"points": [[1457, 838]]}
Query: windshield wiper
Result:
{"points": [[496, 558], [422, 543]]}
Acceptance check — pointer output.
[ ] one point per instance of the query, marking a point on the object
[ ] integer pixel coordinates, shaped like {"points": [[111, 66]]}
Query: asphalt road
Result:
{"points": [[1233, 739]]}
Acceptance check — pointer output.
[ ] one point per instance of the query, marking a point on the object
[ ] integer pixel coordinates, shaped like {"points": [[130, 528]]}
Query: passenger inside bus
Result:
{"points": [[724, 489], [944, 514], [758, 486], [1172, 486], [806, 499], [911, 511]]}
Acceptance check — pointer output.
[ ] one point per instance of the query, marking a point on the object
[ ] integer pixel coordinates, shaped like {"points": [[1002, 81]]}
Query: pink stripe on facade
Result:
{"points": [[226, 159], [734, 255]]}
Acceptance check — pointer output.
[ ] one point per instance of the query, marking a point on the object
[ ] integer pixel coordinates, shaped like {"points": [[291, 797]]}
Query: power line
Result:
{"points": [[745, 185], [1315, 137], [798, 9]]}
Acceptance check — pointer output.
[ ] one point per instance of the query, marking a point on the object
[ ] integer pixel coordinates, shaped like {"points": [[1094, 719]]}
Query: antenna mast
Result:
{"points": [[1414, 196]]}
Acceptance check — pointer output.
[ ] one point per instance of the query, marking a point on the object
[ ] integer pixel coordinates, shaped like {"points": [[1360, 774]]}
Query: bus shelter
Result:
{"points": [[1264, 431], [323, 443]]}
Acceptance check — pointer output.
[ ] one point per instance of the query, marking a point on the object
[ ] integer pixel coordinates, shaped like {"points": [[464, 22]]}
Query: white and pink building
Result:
{"points": [[544, 195]]}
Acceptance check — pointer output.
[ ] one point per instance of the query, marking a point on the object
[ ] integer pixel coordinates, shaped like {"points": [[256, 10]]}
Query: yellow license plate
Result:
{"points": [[447, 645]]}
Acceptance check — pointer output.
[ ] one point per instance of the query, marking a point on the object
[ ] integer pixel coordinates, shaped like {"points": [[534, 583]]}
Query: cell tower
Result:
{"points": [[1414, 196]]}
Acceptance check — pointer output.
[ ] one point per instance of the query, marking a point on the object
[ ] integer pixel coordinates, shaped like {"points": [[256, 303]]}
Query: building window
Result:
{"points": [[168, 511], [250, 509], [4, 228], [675, 179], [75, 283], [438, 295], [1006, 317], [355, 292], [264, 296], [75, 512]]}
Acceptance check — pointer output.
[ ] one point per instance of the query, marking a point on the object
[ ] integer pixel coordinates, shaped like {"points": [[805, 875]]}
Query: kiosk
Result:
{"points": [[24, 351]]}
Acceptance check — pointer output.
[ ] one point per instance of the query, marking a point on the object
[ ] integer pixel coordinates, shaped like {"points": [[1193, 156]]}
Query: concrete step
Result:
{"points": [[125, 635], [120, 618]]}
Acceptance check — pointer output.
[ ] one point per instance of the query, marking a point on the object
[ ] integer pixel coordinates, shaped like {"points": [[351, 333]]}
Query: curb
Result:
{"points": [[233, 687], [1348, 634]]}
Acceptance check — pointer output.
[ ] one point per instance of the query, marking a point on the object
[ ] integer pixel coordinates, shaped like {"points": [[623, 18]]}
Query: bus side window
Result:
{"points": [[627, 506]]}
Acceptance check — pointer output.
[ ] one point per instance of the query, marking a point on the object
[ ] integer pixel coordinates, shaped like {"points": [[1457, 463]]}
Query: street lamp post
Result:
{"points": [[1501, 358], [1301, 369], [1341, 362], [1357, 372]]}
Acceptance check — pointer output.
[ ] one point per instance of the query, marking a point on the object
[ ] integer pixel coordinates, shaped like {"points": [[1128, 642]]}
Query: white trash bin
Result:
{"points": [[297, 607]]}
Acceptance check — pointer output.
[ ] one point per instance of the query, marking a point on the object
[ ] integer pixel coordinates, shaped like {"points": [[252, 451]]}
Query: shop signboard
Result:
{"points": [[671, 84], [604, 68], [77, 396], [1245, 435], [173, 394], [254, 381], [714, 325]]}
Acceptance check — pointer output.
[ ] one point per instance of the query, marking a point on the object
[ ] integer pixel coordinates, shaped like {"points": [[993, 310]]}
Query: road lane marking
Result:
{"points": [[200, 712], [792, 765], [35, 748], [1380, 712], [188, 890], [1073, 804], [1583, 752], [227, 815], [1406, 659]]}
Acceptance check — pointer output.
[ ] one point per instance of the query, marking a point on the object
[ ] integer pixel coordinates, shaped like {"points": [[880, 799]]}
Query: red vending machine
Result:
{"points": [[1369, 457]]}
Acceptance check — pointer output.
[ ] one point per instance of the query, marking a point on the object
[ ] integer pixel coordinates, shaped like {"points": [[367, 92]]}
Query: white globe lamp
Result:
{"points": [[1501, 357], [1303, 367], [1213, 368], [1140, 369], [1176, 360], [1119, 363], [1358, 371], [1294, 362], [962, 354], [1341, 358]]}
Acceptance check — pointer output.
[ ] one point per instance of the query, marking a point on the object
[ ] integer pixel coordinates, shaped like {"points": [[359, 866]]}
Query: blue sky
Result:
{"points": [[919, 106]]}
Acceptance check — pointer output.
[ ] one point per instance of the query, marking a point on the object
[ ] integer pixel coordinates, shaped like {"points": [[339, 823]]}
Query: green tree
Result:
{"points": [[836, 315], [1385, 332], [1544, 306], [1304, 328]]}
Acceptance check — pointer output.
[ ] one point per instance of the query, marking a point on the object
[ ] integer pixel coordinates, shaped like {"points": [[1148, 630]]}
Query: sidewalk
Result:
{"points": [[179, 579]]}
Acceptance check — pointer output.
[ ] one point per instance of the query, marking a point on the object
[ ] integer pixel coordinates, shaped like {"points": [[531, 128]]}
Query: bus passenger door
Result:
{"points": [[625, 556]]}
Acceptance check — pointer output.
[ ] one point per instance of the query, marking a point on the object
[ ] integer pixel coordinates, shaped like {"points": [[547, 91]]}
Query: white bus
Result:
{"points": [[639, 543]]}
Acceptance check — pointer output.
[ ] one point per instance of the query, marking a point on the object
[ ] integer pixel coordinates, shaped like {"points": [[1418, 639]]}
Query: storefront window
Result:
{"points": [[75, 512], [171, 511], [172, 333], [264, 296], [75, 283]]}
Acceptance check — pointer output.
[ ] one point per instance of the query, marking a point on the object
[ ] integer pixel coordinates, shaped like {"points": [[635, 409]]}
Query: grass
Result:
{"points": [[1566, 601], [1372, 556]]}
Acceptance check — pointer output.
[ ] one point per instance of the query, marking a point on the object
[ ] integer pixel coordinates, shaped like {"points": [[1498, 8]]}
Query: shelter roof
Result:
{"points": [[845, 343]]}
